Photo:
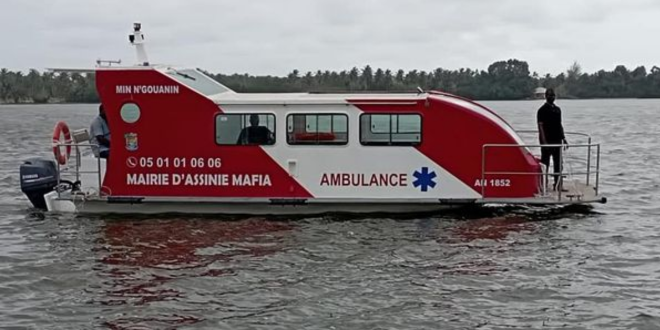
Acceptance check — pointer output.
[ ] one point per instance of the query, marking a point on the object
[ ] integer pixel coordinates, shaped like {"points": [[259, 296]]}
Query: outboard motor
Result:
{"points": [[38, 177]]}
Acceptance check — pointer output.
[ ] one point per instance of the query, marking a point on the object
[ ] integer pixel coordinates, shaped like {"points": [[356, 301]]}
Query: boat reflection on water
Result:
{"points": [[497, 228], [499, 224], [141, 259], [475, 244]]}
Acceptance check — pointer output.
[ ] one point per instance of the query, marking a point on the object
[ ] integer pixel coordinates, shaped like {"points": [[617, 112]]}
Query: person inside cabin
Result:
{"points": [[255, 134], [101, 133], [551, 131]]}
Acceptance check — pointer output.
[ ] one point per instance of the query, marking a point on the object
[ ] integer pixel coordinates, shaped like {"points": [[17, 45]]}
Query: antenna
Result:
{"points": [[108, 63], [137, 40]]}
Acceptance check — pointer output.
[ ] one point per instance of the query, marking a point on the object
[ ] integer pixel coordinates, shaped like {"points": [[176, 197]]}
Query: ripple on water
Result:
{"points": [[490, 268]]}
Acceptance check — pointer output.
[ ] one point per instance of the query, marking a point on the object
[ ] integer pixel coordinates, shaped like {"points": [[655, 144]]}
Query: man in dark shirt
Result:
{"points": [[551, 131], [255, 134]]}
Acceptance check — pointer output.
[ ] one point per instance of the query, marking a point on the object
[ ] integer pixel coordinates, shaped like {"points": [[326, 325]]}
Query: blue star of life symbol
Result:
{"points": [[424, 179]]}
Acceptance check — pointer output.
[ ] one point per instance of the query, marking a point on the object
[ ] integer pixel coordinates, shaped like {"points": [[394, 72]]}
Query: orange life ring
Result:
{"points": [[61, 128]]}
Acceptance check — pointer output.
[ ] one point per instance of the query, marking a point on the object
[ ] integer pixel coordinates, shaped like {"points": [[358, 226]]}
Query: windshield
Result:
{"points": [[197, 81]]}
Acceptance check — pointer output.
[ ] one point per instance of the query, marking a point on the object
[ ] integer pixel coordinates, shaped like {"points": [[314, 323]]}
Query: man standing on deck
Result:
{"points": [[101, 134], [551, 131]]}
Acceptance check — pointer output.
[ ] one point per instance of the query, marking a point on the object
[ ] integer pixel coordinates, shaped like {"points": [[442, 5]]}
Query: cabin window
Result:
{"points": [[318, 129], [245, 129], [391, 129]]}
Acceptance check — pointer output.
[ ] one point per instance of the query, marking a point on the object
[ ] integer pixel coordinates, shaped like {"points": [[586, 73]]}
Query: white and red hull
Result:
{"points": [[169, 153]]}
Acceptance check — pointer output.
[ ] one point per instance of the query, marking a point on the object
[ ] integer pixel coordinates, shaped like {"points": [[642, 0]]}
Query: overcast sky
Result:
{"points": [[276, 36]]}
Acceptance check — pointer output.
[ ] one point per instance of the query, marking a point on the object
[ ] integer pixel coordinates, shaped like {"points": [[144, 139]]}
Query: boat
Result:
{"points": [[184, 143]]}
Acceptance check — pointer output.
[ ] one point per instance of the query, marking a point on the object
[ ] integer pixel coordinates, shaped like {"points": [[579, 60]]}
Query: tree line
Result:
{"points": [[503, 80]]}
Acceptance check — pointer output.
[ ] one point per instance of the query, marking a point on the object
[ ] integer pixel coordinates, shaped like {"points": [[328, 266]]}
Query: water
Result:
{"points": [[495, 268]]}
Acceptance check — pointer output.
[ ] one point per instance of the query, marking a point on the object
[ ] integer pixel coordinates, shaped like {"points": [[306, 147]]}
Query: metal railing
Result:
{"points": [[588, 171], [585, 136], [75, 167]]}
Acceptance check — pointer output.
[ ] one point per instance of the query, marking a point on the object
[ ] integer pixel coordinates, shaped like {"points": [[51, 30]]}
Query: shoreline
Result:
{"points": [[496, 100]]}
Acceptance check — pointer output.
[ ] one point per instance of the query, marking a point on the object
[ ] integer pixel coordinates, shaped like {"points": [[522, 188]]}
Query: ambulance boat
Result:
{"points": [[183, 143]]}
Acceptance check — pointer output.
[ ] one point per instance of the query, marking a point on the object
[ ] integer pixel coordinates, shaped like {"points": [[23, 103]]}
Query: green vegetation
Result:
{"points": [[504, 80], [16, 87]]}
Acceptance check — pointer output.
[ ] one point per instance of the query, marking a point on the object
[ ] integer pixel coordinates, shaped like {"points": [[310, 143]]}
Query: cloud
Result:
{"points": [[275, 37]]}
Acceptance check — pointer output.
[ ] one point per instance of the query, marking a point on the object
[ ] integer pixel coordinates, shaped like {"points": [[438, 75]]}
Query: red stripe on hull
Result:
{"points": [[178, 129], [453, 137]]}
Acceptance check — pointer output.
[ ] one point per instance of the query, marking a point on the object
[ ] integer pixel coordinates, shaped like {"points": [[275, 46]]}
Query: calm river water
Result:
{"points": [[494, 268]]}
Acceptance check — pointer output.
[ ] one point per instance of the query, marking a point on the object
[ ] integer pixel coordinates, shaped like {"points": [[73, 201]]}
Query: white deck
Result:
{"points": [[575, 192]]}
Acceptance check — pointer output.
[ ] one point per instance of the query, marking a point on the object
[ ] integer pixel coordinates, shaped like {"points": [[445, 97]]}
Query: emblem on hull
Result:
{"points": [[131, 141]]}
